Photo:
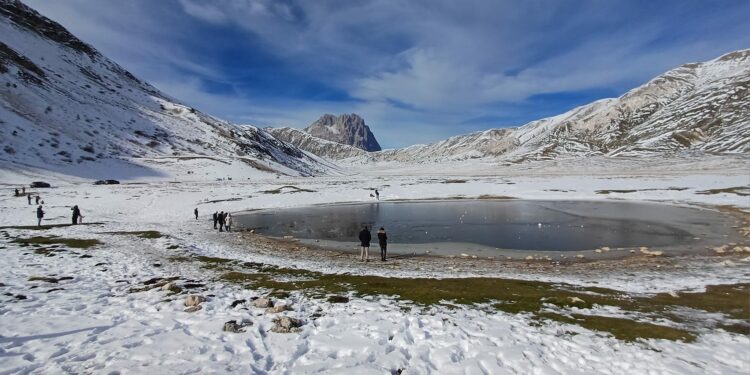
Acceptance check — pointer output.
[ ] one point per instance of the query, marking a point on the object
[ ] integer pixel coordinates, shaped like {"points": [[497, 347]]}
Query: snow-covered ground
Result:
{"points": [[93, 324]]}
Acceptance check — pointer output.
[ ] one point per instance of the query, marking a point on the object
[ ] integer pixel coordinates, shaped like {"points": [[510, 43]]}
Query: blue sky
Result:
{"points": [[417, 71]]}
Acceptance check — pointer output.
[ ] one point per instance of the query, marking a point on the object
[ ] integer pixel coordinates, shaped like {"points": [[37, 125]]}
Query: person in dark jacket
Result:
{"points": [[383, 240], [377, 194], [17, 193], [29, 198], [39, 216], [364, 239], [37, 199], [222, 218], [196, 213], [216, 218], [76, 214]]}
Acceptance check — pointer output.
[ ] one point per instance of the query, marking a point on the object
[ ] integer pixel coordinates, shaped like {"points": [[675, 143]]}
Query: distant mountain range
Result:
{"points": [[65, 107], [702, 107]]}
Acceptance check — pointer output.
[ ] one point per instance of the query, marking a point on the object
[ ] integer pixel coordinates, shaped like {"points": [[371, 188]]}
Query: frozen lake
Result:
{"points": [[499, 224]]}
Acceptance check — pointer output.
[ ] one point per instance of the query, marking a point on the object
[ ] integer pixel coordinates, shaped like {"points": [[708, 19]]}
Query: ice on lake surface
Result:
{"points": [[502, 224]]}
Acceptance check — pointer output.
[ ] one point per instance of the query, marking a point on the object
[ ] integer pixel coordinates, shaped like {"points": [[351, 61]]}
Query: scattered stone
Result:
{"points": [[286, 324], [580, 256], [632, 251], [674, 294], [86, 256], [338, 299], [598, 250], [234, 327], [738, 249], [238, 302], [193, 309], [648, 252], [727, 263], [529, 257], [194, 300], [54, 290], [605, 248], [169, 285], [263, 303], [720, 249], [21, 297], [278, 308]]}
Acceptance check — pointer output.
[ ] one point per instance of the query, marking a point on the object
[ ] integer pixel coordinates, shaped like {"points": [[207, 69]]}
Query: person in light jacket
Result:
{"points": [[228, 222], [383, 240], [364, 239]]}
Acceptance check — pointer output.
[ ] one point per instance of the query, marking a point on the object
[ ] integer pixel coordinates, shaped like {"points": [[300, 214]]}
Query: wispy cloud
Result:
{"points": [[417, 70]]}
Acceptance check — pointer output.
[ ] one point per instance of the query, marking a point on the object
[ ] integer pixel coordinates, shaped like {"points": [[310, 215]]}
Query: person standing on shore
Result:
{"points": [[216, 218], [222, 218], [196, 213], [228, 222], [76, 214], [377, 194], [37, 199], [39, 215], [29, 198], [364, 239], [383, 240]]}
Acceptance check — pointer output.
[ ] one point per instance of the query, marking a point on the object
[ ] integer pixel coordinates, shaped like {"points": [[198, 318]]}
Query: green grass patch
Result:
{"points": [[509, 295], [148, 234], [743, 191], [622, 328], [76, 243], [289, 188], [45, 227]]}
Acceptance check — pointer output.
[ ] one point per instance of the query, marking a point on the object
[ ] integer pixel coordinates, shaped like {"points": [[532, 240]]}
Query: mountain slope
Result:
{"points": [[700, 107], [348, 129], [65, 107]]}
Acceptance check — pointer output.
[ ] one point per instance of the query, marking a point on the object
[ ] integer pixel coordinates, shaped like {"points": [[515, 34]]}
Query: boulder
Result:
{"points": [[278, 308], [194, 300], [286, 324], [263, 303], [235, 327], [238, 302]]}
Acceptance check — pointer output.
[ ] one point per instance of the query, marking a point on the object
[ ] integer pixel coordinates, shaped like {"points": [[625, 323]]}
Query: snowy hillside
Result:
{"points": [[701, 107], [66, 108]]}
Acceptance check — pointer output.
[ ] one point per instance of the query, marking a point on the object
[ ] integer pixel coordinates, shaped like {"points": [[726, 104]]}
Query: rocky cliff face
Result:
{"points": [[65, 107], [348, 129]]}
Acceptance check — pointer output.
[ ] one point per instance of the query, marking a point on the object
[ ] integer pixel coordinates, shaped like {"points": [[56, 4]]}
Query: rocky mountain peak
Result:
{"points": [[348, 129]]}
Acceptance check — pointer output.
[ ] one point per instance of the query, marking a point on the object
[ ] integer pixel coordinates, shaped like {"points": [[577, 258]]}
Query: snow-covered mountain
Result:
{"points": [[317, 146], [64, 107], [348, 129], [703, 107]]}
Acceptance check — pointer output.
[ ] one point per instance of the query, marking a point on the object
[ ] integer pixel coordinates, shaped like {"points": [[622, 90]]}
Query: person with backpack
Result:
{"points": [[216, 218], [228, 222], [39, 215], [383, 240], [76, 214], [364, 239]]}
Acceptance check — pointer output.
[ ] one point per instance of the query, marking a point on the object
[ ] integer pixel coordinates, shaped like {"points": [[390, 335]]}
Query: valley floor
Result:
{"points": [[116, 304]]}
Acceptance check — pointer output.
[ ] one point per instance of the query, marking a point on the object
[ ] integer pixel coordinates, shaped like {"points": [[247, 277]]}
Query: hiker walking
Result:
{"points": [[364, 239], [76, 214], [39, 216], [383, 240], [377, 194], [16, 193], [228, 222], [222, 219], [216, 218], [37, 199], [196, 213], [29, 198]]}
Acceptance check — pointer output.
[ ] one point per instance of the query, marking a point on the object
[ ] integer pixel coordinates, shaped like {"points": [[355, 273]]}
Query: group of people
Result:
{"points": [[222, 219], [22, 192], [365, 237]]}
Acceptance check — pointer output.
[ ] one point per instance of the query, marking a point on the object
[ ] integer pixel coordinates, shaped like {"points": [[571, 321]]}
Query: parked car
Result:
{"points": [[40, 184], [106, 182]]}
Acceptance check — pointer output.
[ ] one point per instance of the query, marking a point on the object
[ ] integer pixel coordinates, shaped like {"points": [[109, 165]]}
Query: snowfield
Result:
{"points": [[91, 321]]}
